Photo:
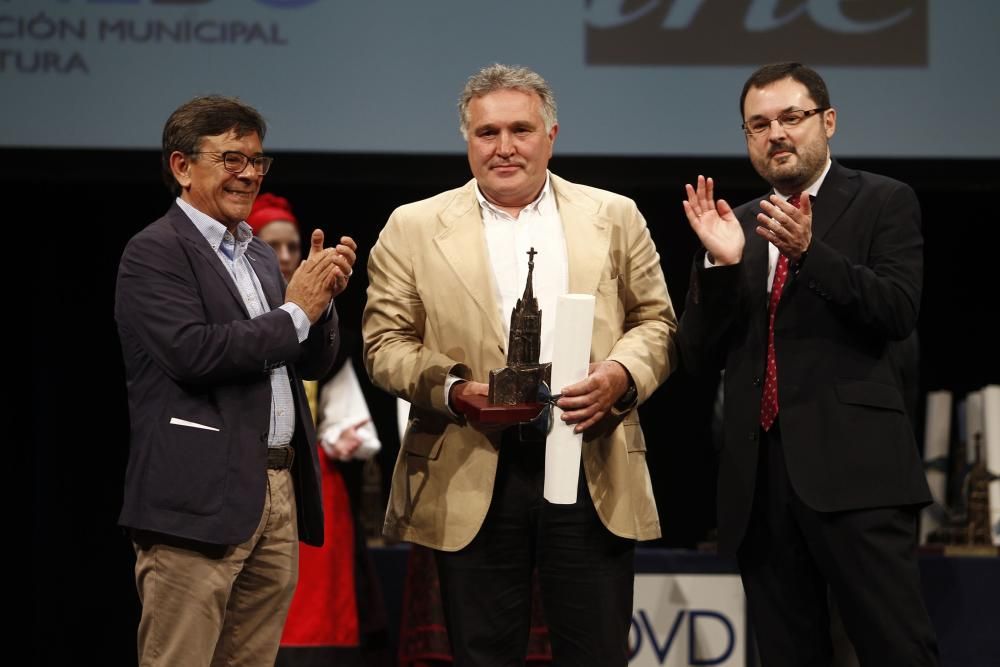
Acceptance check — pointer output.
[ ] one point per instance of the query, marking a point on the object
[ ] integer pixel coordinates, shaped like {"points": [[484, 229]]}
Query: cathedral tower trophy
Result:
{"points": [[513, 395]]}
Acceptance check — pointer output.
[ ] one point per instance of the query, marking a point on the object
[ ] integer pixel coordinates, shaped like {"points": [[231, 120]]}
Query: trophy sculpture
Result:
{"points": [[513, 396], [966, 528]]}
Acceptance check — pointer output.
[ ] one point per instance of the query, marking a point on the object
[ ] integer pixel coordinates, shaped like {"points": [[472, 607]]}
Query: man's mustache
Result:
{"points": [[778, 148]]}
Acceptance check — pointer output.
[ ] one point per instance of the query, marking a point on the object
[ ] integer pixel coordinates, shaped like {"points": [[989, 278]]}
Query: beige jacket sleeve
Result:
{"points": [[394, 322]]}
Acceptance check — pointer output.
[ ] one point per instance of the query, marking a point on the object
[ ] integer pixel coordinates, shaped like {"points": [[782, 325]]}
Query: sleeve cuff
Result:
{"points": [[299, 319], [448, 383]]}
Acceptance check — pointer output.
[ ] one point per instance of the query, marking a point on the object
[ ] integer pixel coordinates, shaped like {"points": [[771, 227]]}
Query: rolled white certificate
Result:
{"points": [[574, 325], [937, 437], [991, 430], [973, 422]]}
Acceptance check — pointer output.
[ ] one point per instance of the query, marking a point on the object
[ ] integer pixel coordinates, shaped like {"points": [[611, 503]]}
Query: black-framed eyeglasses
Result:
{"points": [[757, 126], [235, 162]]}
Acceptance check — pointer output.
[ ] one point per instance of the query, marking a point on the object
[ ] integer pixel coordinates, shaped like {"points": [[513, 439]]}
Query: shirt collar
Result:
{"points": [[542, 204], [813, 189], [214, 231]]}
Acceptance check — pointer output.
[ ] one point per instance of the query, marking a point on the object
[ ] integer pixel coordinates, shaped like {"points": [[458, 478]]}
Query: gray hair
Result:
{"points": [[506, 77]]}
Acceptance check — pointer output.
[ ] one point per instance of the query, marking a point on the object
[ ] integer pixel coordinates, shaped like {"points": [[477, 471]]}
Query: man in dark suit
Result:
{"points": [[215, 345], [798, 300]]}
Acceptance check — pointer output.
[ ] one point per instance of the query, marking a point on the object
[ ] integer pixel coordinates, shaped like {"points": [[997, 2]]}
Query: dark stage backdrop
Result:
{"points": [[76, 209]]}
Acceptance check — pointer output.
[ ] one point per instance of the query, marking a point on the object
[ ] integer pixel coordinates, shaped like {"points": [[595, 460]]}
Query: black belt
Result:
{"points": [[280, 458]]}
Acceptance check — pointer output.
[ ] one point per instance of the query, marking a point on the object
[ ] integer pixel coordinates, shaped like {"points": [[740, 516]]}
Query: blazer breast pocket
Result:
{"points": [[609, 286], [608, 316]]}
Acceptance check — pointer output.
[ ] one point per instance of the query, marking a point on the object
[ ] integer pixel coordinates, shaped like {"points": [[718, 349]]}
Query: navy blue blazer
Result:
{"points": [[194, 356]]}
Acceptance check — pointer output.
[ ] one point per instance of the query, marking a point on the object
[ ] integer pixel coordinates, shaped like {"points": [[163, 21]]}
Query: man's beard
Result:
{"points": [[793, 178]]}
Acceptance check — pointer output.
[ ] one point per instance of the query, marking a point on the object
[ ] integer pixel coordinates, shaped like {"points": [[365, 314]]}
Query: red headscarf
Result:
{"points": [[267, 208]]}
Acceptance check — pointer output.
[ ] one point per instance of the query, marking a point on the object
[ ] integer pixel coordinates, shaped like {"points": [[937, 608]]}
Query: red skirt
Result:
{"points": [[324, 611]]}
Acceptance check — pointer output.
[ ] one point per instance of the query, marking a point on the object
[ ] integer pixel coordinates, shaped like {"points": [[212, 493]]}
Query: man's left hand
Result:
{"points": [[787, 227], [346, 256], [586, 402]]}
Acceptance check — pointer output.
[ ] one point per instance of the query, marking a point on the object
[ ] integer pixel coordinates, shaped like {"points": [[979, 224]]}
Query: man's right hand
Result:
{"points": [[348, 442], [468, 388], [714, 223], [311, 286], [465, 388]]}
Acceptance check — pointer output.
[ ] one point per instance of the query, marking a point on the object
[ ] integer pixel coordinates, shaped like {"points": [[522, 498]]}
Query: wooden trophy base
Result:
{"points": [[479, 409]]}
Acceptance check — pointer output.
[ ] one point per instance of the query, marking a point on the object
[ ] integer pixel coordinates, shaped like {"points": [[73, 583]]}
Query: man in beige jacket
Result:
{"points": [[444, 276]]}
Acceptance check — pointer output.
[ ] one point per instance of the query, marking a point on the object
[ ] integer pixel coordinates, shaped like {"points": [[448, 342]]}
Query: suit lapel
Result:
{"points": [[463, 245], [838, 190], [187, 231], [587, 233], [756, 259]]}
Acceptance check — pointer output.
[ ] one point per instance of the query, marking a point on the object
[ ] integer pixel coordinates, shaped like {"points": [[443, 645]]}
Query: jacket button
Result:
{"points": [[756, 381], [753, 436]]}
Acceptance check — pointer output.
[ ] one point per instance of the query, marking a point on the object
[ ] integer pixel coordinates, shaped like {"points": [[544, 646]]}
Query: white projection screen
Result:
{"points": [[910, 78]]}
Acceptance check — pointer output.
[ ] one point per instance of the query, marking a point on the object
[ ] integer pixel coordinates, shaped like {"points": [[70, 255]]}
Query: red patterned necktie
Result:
{"points": [[769, 399]]}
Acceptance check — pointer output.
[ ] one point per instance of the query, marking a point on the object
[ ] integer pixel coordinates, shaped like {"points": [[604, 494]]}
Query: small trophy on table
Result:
{"points": [[966, 530]]}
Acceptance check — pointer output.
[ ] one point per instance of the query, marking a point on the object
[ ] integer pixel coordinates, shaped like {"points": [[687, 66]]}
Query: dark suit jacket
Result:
{"points": [[192, 353], [848, 443]]}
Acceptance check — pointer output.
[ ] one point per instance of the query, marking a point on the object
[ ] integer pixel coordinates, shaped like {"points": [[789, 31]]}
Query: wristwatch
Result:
{"points": [[628, 398]]}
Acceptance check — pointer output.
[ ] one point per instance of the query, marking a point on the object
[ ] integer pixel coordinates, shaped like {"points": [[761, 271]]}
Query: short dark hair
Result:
{"points": [[807, 76], [206, 116]]}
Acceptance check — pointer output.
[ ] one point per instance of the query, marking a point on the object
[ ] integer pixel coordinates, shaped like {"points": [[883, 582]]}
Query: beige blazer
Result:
{"points": [[431, 312]]}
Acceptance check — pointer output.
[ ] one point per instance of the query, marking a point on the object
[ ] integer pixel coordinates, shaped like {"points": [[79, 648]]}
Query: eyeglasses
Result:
{"points": [[786, 119], [235, 162]]}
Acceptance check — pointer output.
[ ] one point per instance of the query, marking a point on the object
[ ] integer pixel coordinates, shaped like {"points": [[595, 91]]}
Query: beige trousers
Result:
{"points": [[204, 609]]}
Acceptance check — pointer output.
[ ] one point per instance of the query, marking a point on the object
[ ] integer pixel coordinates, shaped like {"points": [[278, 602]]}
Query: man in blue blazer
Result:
{"points": [[798, 296], [222, 477]]}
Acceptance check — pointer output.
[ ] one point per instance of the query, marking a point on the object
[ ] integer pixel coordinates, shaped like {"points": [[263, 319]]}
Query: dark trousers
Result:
{"points": [[586, 574], [792, 554]]}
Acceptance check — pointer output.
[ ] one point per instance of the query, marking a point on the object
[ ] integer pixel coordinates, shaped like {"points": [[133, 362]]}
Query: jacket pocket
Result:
{"points": [[422, 442], [635, 441], [871, 394], [190, 462], [176, 421]]}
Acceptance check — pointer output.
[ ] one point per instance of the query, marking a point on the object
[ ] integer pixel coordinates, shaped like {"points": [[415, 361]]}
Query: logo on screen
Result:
{"points": [[752, 32], [709, 639]]}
